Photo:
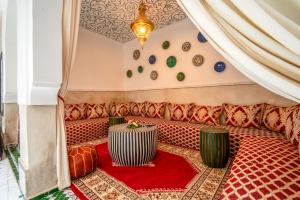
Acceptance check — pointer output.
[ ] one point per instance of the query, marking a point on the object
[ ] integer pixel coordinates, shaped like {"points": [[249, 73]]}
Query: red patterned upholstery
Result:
{"points": [[137, 109], [292, 127], [119, 109], [155, 110], [82, 160], [86, 130], [264, 168], [75, 112], [209, 115], [243, 116], [96, 111], [275, 117], [181, 112], [186, 134]]}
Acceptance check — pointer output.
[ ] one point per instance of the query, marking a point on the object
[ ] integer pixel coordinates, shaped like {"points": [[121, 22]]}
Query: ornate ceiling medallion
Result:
{"points": [[142, 26]]}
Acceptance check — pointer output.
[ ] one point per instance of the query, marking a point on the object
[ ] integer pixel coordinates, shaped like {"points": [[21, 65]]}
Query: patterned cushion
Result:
{"points": [[75, 111], [82, 160], [209, 115], [186, 134], [96, 111], [243, 116], [292, 127], [137, 109], [275, 117], [264, 168], [181, 112], [119, 109], [155, 110], [86, 130]]}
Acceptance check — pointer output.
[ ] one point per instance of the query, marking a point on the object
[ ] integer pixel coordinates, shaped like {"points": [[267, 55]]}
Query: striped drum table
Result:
{"points": [[132, 147]]}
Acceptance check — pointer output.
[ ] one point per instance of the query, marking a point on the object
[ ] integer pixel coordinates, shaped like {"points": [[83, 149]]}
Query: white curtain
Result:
{"points": [[258, 37], [70, 24]]}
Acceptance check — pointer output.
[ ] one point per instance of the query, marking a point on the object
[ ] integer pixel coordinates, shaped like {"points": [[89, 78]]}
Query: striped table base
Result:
{"points": [[132, 147]]}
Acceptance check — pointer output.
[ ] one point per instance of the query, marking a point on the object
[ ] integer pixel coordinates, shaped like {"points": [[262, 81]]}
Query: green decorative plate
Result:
{"points": [[129, 73], [171, 61], [165, 45], [180, 76], [140, 69]]}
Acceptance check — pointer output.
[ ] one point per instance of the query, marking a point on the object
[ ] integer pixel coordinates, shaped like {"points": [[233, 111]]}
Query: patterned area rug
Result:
{"points": [[206, 184]]}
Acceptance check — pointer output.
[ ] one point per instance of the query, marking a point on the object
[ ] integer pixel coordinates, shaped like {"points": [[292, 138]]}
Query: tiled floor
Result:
{"points": [[9, 189]]}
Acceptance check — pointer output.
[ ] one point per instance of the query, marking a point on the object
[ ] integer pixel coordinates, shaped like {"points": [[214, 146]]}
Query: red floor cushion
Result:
{"points": [[81, 131], [186, 134], [82, 160], [264, 168]]}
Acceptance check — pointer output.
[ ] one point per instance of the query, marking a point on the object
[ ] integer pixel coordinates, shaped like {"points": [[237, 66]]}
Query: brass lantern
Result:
{"points": [[142, 26]]}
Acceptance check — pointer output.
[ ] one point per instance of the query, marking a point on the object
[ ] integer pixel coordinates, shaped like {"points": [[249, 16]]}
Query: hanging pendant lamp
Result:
{"points": [[142, 26]]}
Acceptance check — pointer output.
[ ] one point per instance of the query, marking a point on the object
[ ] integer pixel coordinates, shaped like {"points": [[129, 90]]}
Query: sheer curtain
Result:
{"points": [[260, 40], [70, 24]]}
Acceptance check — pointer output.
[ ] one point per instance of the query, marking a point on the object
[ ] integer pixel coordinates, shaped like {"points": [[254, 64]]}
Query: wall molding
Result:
{"points": [[203, 85], [10, 97]]}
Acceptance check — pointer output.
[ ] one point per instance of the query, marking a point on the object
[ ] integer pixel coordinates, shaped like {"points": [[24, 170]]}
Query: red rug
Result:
{"points": [[169, 171], [175, 173]]}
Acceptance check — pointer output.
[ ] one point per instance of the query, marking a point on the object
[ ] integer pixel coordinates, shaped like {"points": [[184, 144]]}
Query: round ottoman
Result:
{"points": [[132, 147], [82, 160], [214, 147]]}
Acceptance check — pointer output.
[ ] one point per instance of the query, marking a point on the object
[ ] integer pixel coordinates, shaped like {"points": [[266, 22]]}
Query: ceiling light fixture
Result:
{"points": [[142, 26]]}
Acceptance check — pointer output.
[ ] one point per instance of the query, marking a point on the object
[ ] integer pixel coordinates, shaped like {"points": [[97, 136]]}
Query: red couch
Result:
{"points": [[266, 164]]}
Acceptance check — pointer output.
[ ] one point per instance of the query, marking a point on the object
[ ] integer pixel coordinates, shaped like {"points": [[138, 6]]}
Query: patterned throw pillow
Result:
{"points": [[207, 115], [119, 109], [275, 117], [155, 110], [75, 112], [181, 112], [137, 109], [292, 127], [96, 111], [248, 116]]}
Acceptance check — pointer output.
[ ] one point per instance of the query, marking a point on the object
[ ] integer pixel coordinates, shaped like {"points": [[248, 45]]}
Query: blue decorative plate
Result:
{"points": [[219, 66], [152, 59], [201, 38]]}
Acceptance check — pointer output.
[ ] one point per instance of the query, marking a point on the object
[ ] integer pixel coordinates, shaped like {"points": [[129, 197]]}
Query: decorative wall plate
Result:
{"points": [[201, 38], [180, 76], [152, 59], [186, 46], [129, 73], [153, 75], [165, 45], [171, 61], [136, 54], [219, 66], [198, 60], [140, 69]]}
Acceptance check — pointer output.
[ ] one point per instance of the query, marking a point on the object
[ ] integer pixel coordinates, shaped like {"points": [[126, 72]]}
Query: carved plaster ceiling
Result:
{"points": [[112, 18]]}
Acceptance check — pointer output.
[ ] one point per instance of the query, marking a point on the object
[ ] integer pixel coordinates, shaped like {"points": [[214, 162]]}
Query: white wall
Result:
{"points": [[177, 34], [9, 41], [98, 63]]}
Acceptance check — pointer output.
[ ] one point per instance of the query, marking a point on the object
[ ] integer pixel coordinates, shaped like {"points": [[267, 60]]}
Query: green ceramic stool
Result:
{"points": [[116, 120], [214, 146]]}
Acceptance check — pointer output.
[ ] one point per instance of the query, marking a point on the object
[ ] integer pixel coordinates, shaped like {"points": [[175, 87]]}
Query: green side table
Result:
{"points": [[116, 120], [214, 146]]}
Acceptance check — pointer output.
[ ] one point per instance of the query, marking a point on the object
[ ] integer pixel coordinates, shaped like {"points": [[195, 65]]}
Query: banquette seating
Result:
{"points": [[264, 139]]}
